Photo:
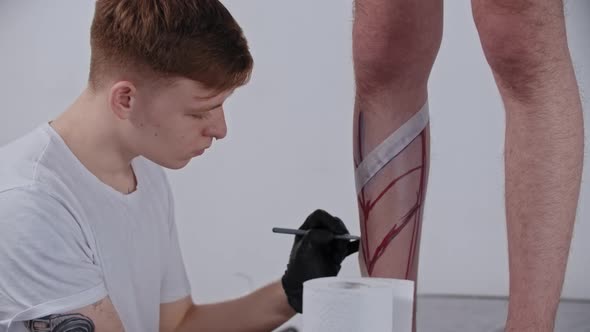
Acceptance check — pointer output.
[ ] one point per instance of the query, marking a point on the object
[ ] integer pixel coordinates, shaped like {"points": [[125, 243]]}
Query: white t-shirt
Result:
{"points": [[67, 239]]}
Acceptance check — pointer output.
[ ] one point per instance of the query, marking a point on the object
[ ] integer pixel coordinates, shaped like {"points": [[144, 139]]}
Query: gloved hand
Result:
{"points": [[316, 254]]}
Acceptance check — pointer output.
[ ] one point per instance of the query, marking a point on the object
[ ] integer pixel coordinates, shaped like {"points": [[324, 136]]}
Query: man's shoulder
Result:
{"points": [[19, 159], [29, 216], [35, 164], [30, 204]]}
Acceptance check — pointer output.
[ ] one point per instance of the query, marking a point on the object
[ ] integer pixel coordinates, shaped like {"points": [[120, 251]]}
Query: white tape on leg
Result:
{"points": [[390, 147]]}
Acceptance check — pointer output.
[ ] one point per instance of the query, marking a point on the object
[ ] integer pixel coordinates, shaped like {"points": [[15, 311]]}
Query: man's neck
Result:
{"points": [[89, 130]]}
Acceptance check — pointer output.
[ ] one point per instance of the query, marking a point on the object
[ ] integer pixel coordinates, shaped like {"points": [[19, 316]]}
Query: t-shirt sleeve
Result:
{"points": [[175, 283], [46, 263]]}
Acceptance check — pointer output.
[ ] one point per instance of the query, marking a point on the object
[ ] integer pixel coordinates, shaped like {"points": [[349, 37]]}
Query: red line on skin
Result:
{"points": [[367, 206], [412, 244], [361, 199], [416, 232], [391, 235], [391, 184]]}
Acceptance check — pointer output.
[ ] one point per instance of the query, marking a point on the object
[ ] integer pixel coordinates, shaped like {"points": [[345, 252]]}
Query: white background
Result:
{"points": [[289, 146]]}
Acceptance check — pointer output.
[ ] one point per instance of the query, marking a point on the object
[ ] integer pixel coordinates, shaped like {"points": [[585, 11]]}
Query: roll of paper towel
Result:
{"points": [[357, 305]]}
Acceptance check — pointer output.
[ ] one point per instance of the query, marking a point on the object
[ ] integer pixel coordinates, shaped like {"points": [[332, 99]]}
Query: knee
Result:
{"points": [[521, 39], [397, 51]]}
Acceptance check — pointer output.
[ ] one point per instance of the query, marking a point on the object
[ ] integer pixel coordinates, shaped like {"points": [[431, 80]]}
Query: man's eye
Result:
{"points": [[200, 115]]}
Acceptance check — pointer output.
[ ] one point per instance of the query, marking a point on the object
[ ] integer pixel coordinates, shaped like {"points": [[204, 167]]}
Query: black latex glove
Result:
{"points": [[316, 254]]}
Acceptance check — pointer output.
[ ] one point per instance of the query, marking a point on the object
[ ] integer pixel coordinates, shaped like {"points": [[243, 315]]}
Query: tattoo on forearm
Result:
{"points": [[61, 323]]}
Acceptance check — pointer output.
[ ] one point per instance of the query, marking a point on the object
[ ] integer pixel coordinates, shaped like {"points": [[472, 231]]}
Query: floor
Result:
{"points": [[472, 314], [458, 314]]}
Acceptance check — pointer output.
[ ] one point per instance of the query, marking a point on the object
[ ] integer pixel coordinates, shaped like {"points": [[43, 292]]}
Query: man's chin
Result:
{"points": [[174, 164]]}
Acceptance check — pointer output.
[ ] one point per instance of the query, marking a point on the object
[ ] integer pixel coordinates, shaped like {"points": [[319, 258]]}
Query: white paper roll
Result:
{"points": [[357, 305]]}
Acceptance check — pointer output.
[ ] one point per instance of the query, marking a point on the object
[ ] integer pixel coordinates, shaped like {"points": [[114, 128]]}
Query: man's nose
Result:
{"points": [[217, 128]]}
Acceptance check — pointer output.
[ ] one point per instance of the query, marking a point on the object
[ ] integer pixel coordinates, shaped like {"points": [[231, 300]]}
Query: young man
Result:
{"points": [[395, 46], [88, 240]]}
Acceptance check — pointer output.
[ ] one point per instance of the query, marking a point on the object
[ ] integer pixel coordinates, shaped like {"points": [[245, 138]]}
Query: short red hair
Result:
{"points": [[195, 39]]}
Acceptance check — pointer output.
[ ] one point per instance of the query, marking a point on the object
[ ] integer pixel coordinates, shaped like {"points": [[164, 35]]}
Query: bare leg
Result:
{"points": [[395, 43], [525, 44]]}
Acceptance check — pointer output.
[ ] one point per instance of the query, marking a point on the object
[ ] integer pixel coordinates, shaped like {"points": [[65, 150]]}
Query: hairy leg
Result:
{"points": [[395, 43], [394, 46], [526, 46]]}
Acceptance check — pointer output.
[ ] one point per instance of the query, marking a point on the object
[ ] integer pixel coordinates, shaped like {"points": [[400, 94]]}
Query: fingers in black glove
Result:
{"points": [[353, 247], [316, 254], [324, 220], [339, 249]]}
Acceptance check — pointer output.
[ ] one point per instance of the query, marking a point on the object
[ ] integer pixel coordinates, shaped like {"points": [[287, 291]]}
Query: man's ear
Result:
{"points": [[121, 99]]}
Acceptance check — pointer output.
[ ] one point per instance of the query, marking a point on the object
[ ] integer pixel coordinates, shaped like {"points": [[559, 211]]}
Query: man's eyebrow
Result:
{"points": [[209, 108], [202, 98], [211, 96]]}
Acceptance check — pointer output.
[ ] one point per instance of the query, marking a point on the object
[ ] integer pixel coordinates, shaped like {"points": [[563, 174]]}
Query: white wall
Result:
{"points": [[289, 145]]}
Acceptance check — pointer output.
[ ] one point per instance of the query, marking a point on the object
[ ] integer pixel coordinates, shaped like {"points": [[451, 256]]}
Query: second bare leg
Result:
{"points": [[525, 43]]}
